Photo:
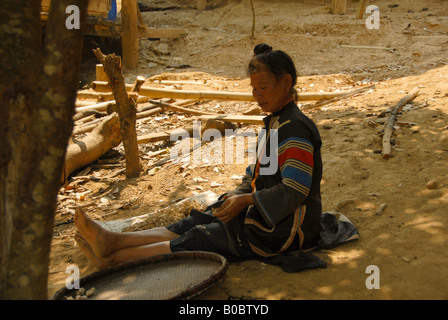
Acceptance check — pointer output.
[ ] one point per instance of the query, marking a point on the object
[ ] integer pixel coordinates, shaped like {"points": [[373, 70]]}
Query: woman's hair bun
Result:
{"points": [[262, 48]]}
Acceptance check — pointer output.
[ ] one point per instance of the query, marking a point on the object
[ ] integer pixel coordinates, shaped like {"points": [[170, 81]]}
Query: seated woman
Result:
{"points": [[270, 213]]}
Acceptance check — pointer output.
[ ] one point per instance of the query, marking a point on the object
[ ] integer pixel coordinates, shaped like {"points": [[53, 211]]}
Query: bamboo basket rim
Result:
{"points": [[183, 293]]}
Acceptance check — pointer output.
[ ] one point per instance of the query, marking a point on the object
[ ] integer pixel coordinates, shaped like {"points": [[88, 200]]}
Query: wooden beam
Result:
{"points": [[339, 7], [129, 38], [211, 95]]}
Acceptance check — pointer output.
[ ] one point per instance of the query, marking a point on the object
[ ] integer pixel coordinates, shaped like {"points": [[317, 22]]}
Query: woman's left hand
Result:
{"points": [[232, 206]]}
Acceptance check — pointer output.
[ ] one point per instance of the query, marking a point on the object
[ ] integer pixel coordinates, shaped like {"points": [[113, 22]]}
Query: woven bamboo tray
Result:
{"points": [[174, 276]]}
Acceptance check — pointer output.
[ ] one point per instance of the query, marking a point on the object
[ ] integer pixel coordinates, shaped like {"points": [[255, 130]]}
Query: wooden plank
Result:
{"points": [[235, 118], [129, 38], [339, 7]]}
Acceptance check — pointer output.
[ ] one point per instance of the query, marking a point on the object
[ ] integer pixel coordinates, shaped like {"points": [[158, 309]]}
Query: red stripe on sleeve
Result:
{"points": [[296, 153]]}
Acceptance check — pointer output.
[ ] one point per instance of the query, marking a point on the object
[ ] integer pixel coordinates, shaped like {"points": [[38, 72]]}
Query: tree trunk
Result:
{"points": [[38, 88], [126, 110]]}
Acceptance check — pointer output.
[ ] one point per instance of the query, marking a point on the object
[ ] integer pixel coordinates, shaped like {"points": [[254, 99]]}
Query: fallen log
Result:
{"points": [[390, 123], [104, 137]]}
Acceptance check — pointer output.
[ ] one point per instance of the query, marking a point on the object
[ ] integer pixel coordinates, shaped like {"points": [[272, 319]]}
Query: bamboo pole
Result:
{"points": [[347, 95], [367, 47]]}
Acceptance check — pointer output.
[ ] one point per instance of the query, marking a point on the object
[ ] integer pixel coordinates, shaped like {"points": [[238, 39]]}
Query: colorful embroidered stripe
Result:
{"points": [[296, 142], [261, 252], [291, 183], [295, 227], [293, 150], [299, 229], [295, 159], [299, 216], [258, 225], [294, 163]]}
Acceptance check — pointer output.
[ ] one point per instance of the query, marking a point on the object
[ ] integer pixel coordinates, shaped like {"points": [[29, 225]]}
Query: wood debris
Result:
{"points": [[391, 121]]}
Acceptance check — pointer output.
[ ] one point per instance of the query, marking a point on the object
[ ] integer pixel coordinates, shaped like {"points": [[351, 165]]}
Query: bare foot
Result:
{"points": [[98, 262], [93, 234]]}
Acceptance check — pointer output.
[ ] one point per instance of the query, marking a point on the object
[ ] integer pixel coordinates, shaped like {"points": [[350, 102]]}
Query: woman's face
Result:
{"points": [[271, 93]]}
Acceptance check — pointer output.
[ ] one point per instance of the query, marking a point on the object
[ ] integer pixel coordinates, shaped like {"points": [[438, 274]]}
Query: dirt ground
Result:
{"points": [[406, 241]]}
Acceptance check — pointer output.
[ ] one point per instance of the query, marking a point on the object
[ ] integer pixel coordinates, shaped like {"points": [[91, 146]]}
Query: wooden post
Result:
{"points": [[361, 9], [339, 6], [129, 38], [101, 75], [126, 112], [201, 4]]}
